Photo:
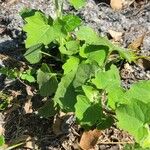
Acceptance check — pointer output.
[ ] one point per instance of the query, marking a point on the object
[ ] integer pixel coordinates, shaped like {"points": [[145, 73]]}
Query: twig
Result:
{"points": [[22, 82], [114, 143]]}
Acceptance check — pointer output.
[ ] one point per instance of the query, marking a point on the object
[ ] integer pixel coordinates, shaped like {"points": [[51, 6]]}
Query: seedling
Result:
{"points": [[87, 81]]}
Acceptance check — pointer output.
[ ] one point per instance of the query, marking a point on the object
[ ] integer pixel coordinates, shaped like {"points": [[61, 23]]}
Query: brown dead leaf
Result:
{"points": [[116, 4], [89, 139], [115, 35], [135, 45]]}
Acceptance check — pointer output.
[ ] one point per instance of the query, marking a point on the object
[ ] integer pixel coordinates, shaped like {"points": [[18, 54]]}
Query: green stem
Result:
{"points": [[58, 8], [57, 59], [14, 146], [146, 57], [106, 60]]}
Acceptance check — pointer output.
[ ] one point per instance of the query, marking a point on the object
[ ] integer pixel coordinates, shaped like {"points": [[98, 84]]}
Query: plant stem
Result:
{"points": [[57, 59], [14, 146], [106, 61], [112, 143], [58, 8], [140, 57]]}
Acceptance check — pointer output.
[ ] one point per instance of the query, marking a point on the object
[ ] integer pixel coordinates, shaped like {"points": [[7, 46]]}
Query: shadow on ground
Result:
{"points": [[19, 125]]}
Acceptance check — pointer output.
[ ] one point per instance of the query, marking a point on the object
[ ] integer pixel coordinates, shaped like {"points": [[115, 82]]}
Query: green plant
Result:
{"points": [[15, 73], [89, 84], [2, 140], [81, 76]]}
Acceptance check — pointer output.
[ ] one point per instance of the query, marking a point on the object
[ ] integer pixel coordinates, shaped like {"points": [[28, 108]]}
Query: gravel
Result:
{"points": [[100, 16]]}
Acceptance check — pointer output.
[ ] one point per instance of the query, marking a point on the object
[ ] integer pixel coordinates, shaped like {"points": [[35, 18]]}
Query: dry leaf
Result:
{"points": [[89, 139], [137, 43], [28, 106], [29, 90], [115, 35], [116, 4]]}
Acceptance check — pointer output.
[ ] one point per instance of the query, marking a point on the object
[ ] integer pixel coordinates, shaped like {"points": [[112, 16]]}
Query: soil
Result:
{"points": [[19, 122]]}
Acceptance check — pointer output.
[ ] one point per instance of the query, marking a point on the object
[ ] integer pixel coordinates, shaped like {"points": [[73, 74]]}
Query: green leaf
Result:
{"points": [[71, 22], [88, 35], [115, 97], [83, 74], [9, 72], [134, 147], [47, 81], [27, 75], [47, 110], [139, 91], [27, 12], [77, 4], [91, 37], [73, 46], [33, 54], [70, 48], [126, 53], [87, 113], [96, 53], [108, 79], [134, 118], [91, 93], [65, 95], [59, 30], [39, 29], [70, 65], [105, 122], [2, 140]]}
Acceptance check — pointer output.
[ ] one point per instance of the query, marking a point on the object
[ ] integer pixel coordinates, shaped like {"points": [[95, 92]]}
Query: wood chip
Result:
{"points": [[89, 139]]}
